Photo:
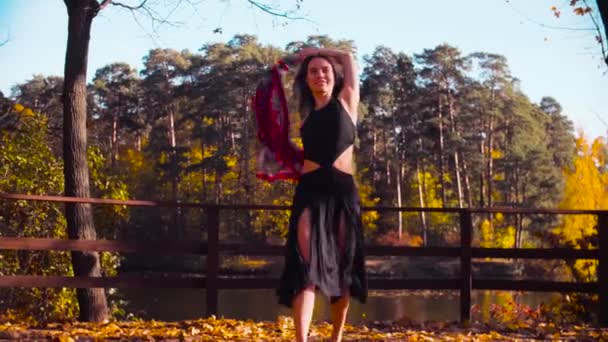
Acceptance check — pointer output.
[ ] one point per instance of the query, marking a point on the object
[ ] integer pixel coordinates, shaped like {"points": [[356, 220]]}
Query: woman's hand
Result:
{"points": [[308, 51]]}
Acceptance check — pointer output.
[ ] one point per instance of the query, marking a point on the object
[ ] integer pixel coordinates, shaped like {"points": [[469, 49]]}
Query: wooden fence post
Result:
{"points": [[466, 229], [213, 222], [602, 231]]}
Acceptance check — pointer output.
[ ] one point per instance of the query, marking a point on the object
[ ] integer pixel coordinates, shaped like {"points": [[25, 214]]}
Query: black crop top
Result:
{"points": [[327, 132]]}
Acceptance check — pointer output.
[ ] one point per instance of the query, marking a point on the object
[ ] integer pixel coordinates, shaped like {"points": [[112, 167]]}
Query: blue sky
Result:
{"points": [[564, 64]]}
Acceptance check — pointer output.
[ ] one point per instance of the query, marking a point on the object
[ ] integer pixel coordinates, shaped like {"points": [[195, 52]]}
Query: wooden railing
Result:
{"points": [[212, 248]]}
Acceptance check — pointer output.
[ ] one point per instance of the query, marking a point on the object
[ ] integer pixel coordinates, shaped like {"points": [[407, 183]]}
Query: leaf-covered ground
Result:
{"points": [[215, 329]]}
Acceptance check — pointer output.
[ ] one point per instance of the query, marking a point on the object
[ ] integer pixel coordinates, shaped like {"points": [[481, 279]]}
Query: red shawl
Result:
{"points": [[278, 157]]}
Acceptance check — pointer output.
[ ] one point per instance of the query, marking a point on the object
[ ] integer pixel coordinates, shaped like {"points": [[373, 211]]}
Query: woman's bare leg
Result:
{"points": [[339, 308], [304, 302]]}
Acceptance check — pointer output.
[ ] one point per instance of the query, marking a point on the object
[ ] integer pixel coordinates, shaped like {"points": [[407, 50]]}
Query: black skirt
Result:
{"points": [[327, 193]]}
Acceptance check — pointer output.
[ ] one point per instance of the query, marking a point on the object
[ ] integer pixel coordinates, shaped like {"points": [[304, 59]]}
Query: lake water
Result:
{"points": [[416, 306]]}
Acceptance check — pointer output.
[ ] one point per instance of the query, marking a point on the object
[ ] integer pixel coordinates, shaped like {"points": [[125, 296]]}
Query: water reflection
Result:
{"points": [[261, 305]]}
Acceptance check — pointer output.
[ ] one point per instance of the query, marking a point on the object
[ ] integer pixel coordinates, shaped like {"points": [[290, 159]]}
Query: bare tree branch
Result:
{"points": [[551, 27], [270, 10], [599, 117], [598, 29], [104, 4], [157, 19], [8, 37], [132, 8], [602, 6]]}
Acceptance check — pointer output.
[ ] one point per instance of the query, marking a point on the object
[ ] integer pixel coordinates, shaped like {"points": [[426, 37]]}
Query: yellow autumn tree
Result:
{"points": [[498, 234], [586, 188]]}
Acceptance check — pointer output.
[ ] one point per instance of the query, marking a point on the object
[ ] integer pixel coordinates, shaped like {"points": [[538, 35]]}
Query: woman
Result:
{"points": [[325, 240]]}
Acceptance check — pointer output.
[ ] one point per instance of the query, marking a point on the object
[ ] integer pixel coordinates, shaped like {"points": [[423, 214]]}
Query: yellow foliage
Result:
{"points": [[135, 160], [586, 188], [432, 198], [298, 142], [497, 154], [209, 151], [273, 222], [496, 235], [507, 239], [487, 234], [163, 158], [195, 154], [207, 121], [225, 329], [499, 176], [231, 161], [416, 241], [25, 111], [368, 218]]}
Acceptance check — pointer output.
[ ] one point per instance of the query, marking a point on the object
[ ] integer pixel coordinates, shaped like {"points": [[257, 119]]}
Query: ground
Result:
{"points": [[218, 329]]}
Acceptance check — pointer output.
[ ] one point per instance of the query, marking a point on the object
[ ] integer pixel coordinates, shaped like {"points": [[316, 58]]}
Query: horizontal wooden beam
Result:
{"points": [[225, 283], [535, 253], [534, 285], [249, 249], [414, 284], [102, 282], [377, 250], [247, 283], [139, 203], [159, 248], [200, 248], [504, 210]]}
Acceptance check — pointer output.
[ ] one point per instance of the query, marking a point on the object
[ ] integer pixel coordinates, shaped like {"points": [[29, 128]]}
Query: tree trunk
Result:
{"points": [[217, 187], [452, 114], [458, 182], [114, 148], [441, 148], [490, 161], [399, 203], [467, 183], [177, 229], [490, 170], [374, 156], [602, 5], [92, 302], [247, 145], [482, 188], [388, 172], [421, 192], [386, 158], [204, 183], [518, 227]]}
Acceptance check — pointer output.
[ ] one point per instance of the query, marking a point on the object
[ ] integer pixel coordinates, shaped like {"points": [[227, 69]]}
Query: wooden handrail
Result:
{"points": [[135, 203]]}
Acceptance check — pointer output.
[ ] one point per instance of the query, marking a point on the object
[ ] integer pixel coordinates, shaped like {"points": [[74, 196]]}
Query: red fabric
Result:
{"points": [[278, 157]]}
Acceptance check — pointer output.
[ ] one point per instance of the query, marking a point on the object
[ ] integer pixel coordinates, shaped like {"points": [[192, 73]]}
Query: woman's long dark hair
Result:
{"points": [[306, 101]]}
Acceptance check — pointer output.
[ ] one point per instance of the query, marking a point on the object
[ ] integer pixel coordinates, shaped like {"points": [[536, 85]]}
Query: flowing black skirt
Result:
{"points": [[328, 194]]}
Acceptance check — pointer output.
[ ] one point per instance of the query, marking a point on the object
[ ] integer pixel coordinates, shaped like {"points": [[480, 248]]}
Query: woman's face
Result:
{"points": [[320, 76]]}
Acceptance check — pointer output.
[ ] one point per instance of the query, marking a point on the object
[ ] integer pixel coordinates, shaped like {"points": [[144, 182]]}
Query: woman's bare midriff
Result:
{"points": [[344, 163]]}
